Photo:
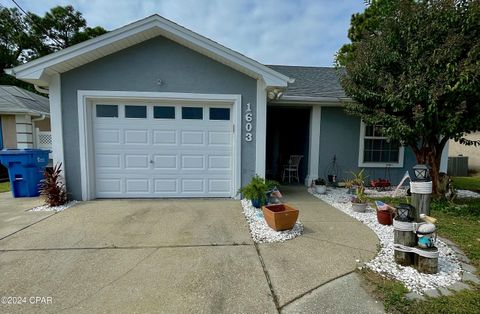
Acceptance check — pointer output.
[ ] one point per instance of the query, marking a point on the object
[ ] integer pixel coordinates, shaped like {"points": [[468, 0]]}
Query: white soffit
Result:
{"points": [[39, 71]]}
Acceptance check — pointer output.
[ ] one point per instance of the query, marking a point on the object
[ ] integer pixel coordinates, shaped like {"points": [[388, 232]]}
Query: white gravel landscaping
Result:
{"points": [[467, 194], [261, 232], [385, 192], [384, 264], [46, 208]]}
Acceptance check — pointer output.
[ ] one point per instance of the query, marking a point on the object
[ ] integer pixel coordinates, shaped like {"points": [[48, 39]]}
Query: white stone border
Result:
{"points": [[261, 232], [384, 264], [46, 208]]}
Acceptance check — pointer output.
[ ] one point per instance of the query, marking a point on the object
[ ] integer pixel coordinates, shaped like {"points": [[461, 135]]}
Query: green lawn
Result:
{"points": [[4, 187], [467, 183], [459, 222]]}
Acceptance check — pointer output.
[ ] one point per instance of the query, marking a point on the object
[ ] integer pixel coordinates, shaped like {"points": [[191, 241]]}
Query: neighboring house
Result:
{"points": [[472, 152], [153, 109], [24, 120]]}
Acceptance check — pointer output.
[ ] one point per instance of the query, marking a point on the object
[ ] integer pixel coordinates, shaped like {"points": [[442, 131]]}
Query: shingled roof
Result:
{"points": [[311, 81], [18, 100]]}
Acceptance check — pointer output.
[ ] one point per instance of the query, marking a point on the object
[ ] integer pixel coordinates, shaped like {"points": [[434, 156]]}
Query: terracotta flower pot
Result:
{"points": [[385, 217], [280, 216]]}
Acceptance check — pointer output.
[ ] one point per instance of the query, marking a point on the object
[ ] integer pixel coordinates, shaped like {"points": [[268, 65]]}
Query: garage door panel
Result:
{"points": [[165, 162], [107, 136], [193, 186], [219, 138], [136, 136], [163, 158], [109, 185], [219, 162], [110, 161], [164, 137], [192, 137], [219, 185], [137, 161], [166, 186], [137, 186], [193, 162]]}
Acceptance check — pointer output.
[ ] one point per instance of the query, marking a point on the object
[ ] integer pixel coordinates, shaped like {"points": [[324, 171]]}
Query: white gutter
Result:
{"points": [[41, 89], [42, 117], [334, 101]]}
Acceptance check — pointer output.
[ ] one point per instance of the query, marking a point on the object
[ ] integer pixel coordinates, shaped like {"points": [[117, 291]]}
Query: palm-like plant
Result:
{"points": [[52, 187]]}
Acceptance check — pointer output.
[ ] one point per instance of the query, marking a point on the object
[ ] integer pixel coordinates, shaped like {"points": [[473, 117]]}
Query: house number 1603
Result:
{"points": [[248, 123]]}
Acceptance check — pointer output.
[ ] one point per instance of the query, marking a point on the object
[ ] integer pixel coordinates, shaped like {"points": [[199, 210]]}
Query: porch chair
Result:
{"points": [[291, 170]]}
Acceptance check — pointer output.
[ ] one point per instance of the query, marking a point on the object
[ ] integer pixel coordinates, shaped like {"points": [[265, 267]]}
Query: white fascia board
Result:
{"points": [[166, 28], [313, 100]]}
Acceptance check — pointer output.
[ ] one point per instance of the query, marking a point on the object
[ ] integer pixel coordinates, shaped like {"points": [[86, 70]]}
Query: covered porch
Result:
{"points": [[292, 143]]}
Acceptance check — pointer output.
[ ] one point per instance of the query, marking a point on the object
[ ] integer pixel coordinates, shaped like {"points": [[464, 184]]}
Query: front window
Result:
{"points": [[376, 150]]}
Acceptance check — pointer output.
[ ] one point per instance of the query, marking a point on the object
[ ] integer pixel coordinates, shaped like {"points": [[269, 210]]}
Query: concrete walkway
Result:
{"points": [[184, 256], [332, 246]]}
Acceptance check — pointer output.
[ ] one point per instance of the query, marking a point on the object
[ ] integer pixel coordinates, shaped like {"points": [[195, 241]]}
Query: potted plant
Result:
{"points": [[320, 186], [257, 189], [280, 216], [349, 186], [359, 201]]}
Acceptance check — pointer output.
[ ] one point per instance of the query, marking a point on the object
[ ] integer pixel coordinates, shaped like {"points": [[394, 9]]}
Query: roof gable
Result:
{"points": [[39, 70]]}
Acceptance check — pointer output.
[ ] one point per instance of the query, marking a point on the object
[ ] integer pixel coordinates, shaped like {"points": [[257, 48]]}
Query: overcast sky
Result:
{"points": [[291, 32]]}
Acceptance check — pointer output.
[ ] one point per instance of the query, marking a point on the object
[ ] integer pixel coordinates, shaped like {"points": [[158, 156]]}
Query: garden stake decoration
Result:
{"points": [[414, 239]]}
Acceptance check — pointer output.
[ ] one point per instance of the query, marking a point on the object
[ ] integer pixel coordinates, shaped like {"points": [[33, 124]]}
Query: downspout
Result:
{"points": [[42, 117], [34, 129]]}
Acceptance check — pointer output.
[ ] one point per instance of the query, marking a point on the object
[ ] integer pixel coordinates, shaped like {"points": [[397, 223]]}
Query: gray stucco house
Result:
{"points": [[153, 109]]}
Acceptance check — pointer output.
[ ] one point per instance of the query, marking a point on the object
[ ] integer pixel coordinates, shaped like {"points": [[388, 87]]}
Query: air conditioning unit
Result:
{"points": [[458, 166]]}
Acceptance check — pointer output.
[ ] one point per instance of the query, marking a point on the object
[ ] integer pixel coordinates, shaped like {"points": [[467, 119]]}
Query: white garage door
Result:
{"points": [[152, 150]]}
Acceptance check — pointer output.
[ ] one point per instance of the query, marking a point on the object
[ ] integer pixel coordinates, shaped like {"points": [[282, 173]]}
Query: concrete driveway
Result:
{"points": [[13, 215], [183, 256]]}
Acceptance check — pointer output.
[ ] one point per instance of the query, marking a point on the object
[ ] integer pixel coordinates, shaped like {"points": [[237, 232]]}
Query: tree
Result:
{"points": [[416, 72], [62, 27], [363, 25], [15, 41], [24, 37]]}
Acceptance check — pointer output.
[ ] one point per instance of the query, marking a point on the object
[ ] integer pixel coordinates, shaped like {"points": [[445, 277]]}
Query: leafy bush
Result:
{"points": [[257, 189], [52, 187]]}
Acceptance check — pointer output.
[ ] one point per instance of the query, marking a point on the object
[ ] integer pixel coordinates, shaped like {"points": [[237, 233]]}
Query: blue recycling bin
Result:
{"points": [[25, 170]]}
